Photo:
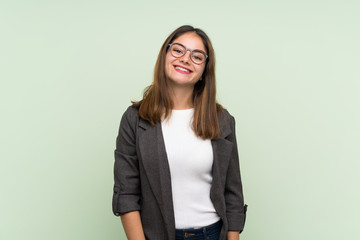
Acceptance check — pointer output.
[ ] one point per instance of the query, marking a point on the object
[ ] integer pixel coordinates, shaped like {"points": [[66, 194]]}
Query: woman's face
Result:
{"points": [[183, 71]]}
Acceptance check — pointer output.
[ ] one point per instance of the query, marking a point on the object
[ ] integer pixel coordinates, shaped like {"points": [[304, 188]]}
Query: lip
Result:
{"points": [[178, 70]]}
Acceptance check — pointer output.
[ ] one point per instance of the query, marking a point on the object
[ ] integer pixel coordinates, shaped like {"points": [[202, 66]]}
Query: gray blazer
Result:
{"points": [[143, 182]]}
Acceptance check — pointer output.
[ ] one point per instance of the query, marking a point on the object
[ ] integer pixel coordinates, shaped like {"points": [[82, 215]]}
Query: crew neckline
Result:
{"points": [[180, 110]]}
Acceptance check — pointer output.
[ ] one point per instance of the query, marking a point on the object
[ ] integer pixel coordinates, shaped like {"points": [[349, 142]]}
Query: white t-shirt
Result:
{"points": [[190, 160]]}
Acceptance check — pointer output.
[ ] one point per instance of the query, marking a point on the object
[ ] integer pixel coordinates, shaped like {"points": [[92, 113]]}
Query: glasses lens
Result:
{"points": [[198, 57], [177, 50]]}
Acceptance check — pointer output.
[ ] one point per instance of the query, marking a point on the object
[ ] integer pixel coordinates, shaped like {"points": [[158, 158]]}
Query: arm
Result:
{"points": [[127, 189], [132, 225], [235, 208], [233, 235]]}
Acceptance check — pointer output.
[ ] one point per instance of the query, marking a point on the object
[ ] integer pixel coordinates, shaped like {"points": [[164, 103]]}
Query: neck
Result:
{"points": [[182, 97]]}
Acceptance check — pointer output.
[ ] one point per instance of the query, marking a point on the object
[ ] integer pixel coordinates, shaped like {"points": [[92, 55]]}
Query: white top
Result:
{"points": [[190, 160]]}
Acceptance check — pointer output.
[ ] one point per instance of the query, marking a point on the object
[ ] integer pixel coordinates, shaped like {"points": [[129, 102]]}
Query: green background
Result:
{"points": [[287, 70]]}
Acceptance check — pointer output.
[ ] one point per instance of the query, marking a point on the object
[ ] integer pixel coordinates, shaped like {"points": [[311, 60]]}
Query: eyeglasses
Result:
{"points": [[179, 50]]}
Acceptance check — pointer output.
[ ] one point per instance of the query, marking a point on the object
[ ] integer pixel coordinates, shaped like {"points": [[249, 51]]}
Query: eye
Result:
{"points": [[177, 50], [198, 56]]}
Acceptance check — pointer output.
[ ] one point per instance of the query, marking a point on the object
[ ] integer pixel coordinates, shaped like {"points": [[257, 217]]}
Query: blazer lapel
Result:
{"points": [[154, 159]]}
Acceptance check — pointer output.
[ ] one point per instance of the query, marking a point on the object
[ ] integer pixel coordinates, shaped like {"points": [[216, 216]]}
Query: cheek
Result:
{"points": [[167, 70], [201, 70], [169, 61], [167, 64]]}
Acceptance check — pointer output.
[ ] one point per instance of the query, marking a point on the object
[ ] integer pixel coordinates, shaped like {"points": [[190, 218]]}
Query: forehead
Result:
{"points": [[191, 40]]}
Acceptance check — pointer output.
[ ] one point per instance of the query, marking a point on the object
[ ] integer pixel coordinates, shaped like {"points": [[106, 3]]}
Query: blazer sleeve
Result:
{"points": [[126, 192], [235, 208]]}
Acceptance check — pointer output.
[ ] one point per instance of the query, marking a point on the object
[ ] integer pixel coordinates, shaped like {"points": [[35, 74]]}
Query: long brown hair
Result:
{"points": [[157, 100]]}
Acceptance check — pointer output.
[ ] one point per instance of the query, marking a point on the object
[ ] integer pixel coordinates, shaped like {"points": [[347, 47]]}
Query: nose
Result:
{"points": [[186, 57]]}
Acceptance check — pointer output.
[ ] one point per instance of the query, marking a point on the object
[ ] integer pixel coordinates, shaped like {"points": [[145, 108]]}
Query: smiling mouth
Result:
{"points": [[182, 69]]}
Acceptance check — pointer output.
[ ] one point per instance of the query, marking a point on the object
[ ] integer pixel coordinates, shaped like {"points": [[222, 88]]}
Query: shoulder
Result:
{"points": [[131, 112], [225, 116], [226, 123], [130, 118]]}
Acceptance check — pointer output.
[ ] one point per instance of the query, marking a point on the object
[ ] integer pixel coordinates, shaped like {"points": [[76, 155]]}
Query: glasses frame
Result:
{"points": [[191, 51]]}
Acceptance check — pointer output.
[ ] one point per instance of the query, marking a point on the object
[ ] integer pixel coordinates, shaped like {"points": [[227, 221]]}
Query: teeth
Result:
{"points": [[182, 69]]}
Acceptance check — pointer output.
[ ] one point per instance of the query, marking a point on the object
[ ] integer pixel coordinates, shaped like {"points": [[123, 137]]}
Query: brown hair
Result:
{"points": [[157, 100]]}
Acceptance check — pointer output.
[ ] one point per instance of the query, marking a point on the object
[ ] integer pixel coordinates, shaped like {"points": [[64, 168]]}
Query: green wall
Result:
{"points": [[287, 70]]}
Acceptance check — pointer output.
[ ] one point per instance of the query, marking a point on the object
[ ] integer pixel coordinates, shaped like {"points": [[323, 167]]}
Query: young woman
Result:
{"points": [[176, 162]]}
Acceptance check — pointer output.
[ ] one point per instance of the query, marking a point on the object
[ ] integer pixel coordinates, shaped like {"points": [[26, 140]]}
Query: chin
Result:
{"points": [[180, 82]]}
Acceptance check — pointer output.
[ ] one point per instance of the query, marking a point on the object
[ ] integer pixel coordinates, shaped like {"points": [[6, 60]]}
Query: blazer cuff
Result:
{"points": [[236, 221], [125, 203]]}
